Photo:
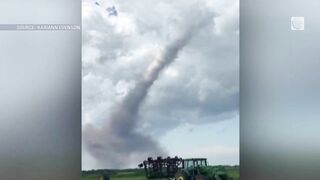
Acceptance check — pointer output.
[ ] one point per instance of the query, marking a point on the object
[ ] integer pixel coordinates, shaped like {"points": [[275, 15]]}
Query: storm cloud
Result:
{"points": [[146, 72], [118, 140]]}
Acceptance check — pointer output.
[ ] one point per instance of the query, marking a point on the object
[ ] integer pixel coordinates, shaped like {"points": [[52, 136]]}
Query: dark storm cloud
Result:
{"points": [[120, 102], [118, 139]]}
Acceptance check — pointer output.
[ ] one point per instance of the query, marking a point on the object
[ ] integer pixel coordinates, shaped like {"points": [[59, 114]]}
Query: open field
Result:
{"points": [[138, 174], [127, 174], [115, 178], [233, 171]]}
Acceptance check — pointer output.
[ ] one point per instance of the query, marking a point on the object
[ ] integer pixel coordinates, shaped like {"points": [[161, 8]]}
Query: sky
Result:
{"points": [[159, 78]]}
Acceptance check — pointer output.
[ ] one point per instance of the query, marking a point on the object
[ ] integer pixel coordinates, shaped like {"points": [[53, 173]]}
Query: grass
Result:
{"points": [[130, 174], [138, 174], [115, 178], [233, 171], [95, 177]]}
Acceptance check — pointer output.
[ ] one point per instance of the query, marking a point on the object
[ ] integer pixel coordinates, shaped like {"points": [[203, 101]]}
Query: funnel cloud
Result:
{"points": [[118, 140], [155, 78]]}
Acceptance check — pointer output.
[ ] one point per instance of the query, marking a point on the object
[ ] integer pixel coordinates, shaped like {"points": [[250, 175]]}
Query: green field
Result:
{"points": [[233, 171], [129, 174], [94, 177], [138, 174]]}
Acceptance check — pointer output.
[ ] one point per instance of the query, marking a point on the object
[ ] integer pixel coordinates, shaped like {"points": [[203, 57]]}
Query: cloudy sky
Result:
{"points": [[160, 77]]}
